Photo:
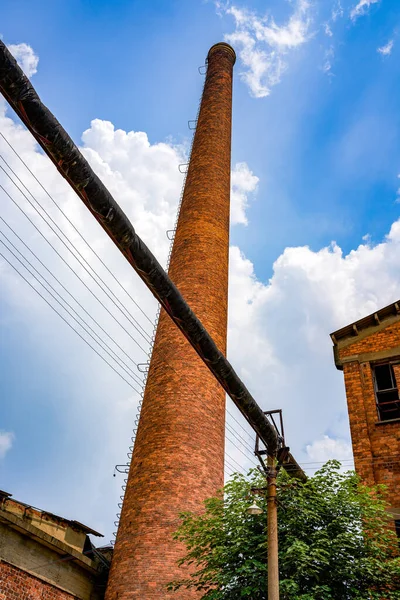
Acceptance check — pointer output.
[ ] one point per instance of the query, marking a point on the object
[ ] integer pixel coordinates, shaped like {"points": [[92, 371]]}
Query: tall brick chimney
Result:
{"points": [[178, 458]]}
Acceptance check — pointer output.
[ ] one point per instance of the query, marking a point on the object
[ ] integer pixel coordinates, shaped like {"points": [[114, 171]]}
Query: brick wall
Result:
{"points": [[178, 457], [33, 551], [387, 338], [16, 584], [376, 444]]}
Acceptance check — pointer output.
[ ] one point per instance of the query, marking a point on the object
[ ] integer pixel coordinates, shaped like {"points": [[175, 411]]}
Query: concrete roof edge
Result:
{"points": [[47, 540], [71, 522]]}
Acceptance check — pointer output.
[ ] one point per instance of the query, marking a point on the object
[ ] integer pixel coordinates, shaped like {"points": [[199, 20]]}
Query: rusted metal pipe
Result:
{"points": [[57, 144]]}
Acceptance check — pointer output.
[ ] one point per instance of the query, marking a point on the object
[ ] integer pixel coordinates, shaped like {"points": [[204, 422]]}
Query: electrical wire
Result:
{"points": [[240, 438], [22, 183], [240, 425], [69, 266], [115, 356], [103, 284], [248, 456], [74, 227], [368, 459], [67, 322], [234, 464], [65, 289], [232, 431]]}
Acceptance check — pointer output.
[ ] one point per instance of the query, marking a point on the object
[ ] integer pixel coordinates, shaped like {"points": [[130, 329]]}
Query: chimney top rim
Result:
{"points": [[225, 47]]}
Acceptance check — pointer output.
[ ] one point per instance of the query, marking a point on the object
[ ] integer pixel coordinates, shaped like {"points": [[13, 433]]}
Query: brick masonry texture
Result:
{"points": [[178, 457], [386, 339], [19, 585], [376, 446]]}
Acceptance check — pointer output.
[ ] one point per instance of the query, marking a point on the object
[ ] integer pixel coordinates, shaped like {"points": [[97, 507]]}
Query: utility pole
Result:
{"points": [[270, 472], [272, 531]]}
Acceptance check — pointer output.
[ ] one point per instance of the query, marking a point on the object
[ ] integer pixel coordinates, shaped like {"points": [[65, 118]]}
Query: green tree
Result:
{"points": [[334, 541]]}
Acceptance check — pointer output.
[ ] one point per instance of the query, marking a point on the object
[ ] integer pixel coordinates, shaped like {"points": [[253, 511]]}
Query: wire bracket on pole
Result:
{"points": [[201, 71], [279, 432], [192, 124], [170, 233]]}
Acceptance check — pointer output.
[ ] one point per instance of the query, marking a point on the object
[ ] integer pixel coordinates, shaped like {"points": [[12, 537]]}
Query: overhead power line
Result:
{"points": [[243, 442], [76, 315], [76, 229], [240, 425], [239, 438], [233, 462], [67, 322], [54, 140], [67, 264], [66, 291], [81, 260]]}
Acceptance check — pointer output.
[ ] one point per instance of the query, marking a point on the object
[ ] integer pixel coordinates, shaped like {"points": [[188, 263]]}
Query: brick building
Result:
{"points": [[368, 353], [178, 457], [46, 557]]}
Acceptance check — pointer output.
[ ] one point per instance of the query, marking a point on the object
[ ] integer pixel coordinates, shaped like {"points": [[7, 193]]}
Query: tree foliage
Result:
{"points": [[334, 541]]}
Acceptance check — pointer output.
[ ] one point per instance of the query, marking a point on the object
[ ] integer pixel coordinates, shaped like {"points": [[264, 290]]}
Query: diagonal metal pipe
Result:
{"points": [[57, 144]]}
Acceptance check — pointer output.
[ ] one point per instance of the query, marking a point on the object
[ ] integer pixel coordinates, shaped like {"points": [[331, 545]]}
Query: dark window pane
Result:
{"points": [[389, 409], [387, 396], [397, 526], [383, 376]]}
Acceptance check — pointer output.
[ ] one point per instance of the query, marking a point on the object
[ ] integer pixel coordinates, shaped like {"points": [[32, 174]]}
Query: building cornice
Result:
{"points": [[357, 331], [47, 540]]}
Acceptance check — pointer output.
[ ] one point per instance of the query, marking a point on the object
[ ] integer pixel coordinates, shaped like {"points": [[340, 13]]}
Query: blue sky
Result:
{"points": [[320, 132], [327, 146]]}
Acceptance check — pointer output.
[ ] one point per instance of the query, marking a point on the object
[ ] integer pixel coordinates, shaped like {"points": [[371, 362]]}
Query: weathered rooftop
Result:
{"points": [[8, 503], [391, 312]]}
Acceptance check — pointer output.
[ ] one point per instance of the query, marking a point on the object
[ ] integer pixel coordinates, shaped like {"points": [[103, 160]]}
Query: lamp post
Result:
{"points": [[272, 526], [272, 532]]}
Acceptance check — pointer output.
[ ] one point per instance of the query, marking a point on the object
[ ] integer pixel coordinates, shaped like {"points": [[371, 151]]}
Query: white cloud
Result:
{"points": [[26, 58], [361, 8], [278, 329], [263, 45], [386, 50], [337, 11], [243, 184], [328, 30], [145, 179], [326, 448], [143, 176], [327, 66], [6, 441]]}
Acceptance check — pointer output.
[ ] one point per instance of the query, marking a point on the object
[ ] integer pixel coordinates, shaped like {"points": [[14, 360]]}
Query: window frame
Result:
{"points": [[378, 392]]}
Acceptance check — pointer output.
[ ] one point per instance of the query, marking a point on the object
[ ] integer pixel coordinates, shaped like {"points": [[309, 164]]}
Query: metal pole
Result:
{"points": [[272, 532]]}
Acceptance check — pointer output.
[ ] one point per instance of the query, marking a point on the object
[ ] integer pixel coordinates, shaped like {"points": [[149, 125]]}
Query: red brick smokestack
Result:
{"points": [[178, 458]]}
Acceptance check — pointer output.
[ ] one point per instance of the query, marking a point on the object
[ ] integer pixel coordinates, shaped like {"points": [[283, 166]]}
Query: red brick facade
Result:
{"points": [[178, 456], [16, 584], [376, 442]]}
